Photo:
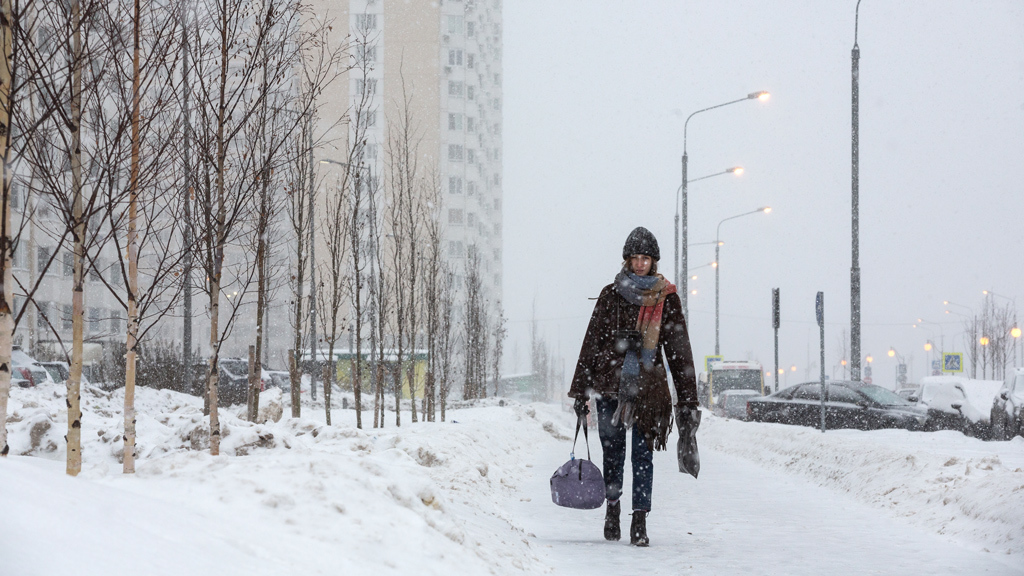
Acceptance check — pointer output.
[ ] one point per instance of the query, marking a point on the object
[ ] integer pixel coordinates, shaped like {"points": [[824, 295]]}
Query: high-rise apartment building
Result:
{"points": [[445, 58]]}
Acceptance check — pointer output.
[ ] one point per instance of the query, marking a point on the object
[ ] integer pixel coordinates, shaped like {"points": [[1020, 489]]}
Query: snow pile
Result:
{"points": [[942, 481], [293, 496]]}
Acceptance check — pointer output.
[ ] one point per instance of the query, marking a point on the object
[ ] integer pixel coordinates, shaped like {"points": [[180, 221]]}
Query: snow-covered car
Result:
{"points": [[26, 368], [847, 405], [907, 394], [1007, 416], [232, 380], [733, 403], [945, 399]]}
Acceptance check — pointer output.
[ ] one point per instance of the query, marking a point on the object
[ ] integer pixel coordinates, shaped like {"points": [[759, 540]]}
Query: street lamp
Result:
{"points": [[855, 202], [1015, 332], [681, 269], [900, 362], [737, 170], [718, 246]]}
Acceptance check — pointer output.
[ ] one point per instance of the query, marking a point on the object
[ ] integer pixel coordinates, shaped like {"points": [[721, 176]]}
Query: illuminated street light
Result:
{"points": [[682, 270], [718, 245]]}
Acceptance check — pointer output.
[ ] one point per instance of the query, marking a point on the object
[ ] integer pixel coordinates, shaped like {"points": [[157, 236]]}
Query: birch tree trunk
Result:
{"points": [[7, 291], [133, 266], [74, 437]]}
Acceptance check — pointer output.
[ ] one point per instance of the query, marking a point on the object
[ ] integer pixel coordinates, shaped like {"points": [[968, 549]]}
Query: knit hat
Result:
{"points": [[641, 241]]}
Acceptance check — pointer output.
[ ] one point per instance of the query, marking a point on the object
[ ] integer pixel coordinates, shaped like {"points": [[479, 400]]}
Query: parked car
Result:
{"points": [[733, 403], [232, 380], [847, 405], [1007, 416], [945, 399], [26, 368], [907, 393]]}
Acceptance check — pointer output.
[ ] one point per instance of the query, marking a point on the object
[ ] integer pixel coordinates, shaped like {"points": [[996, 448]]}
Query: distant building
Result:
{"points": [[448, 54]]}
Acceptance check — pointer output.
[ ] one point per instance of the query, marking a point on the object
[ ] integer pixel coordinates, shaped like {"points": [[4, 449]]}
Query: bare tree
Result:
{"points": [[432, 279], [499, 334], [445, 343]]}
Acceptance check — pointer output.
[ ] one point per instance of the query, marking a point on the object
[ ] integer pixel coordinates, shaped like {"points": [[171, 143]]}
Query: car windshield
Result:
{"points": [[736, 380], [882, 395], [235, 367]]}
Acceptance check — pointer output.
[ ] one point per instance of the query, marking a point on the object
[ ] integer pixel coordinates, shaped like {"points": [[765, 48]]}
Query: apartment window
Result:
{"points": [[471, 219], [43, 255], [115, 274], [19, 303], [496, 104], [455, 249], [116, 322], [367, 119], [497, 128], [497, 254], [455, 25], [17, 196], [370, 151], [470, 60], [18, 259], [470, 123], [454, 185], [470, 92], [95, 324], [46, 40], [366, 86], [366, 22], [455, 152], [456, 88], [470, 155], [366, 53], [497, 179], [497, 279], [471, 188], [455, 216], [470, 28], [497, 204], [67, 317], [497, 229], [455, 57], [41, 322], [454, 121]]}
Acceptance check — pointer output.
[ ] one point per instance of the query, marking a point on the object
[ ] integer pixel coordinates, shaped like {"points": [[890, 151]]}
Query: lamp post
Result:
{"points": [[681, 270], [984, 359], [1016, 333], [901, 362], [718, 246], [737, 170], [942, 334], [855, 204]]}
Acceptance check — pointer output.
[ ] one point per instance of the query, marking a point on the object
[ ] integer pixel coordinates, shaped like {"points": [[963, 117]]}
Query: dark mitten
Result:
{"points": [[581, 406], [688, 420]]}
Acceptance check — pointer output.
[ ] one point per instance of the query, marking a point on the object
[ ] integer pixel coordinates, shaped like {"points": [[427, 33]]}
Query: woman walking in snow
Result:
{"points": [[620, 365]]}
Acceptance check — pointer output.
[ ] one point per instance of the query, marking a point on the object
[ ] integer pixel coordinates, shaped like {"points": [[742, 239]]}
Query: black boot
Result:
{"points": [[612, 531], [638, 530]]}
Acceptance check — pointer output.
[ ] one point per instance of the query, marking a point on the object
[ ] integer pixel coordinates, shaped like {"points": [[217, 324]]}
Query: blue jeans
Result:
{"points": [[613, 443]]}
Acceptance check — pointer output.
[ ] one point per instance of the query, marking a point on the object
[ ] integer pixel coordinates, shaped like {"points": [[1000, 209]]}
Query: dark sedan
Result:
{"points": [[847, 405]]}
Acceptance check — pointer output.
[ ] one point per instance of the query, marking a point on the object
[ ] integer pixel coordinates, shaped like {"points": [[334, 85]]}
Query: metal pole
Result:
{"points": [[683, 271], [717, 266], [312, 264], [776, 318], [186, 330], [820, 309], [855, 209]]}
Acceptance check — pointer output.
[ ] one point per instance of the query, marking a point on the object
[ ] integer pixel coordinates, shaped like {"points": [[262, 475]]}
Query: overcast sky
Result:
{"points": [[595, 96]]}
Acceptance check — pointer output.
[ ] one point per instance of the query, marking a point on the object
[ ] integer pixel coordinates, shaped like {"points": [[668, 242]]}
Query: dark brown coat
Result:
{"points": [[600, 365]]}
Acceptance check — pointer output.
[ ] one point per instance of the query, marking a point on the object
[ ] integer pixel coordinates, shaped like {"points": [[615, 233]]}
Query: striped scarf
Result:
{"points": [[648, 292]]}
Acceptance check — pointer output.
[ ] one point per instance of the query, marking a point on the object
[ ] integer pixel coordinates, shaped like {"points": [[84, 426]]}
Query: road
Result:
{"points": [[739, 518]]}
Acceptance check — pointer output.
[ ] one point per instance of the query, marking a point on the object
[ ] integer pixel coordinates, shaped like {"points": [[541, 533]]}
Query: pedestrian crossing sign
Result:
{"points": [[952, 362]]}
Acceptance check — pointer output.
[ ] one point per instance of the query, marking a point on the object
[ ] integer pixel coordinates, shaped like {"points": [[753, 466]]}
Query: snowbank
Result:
{"points": [[942, 481], [293, 496]]}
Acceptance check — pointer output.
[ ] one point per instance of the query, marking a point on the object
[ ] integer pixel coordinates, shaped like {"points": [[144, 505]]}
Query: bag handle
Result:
{"points": [[586, 439]]}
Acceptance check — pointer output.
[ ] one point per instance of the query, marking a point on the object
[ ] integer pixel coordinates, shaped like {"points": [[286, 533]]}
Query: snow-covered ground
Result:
{"points": [[470, 496]]}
